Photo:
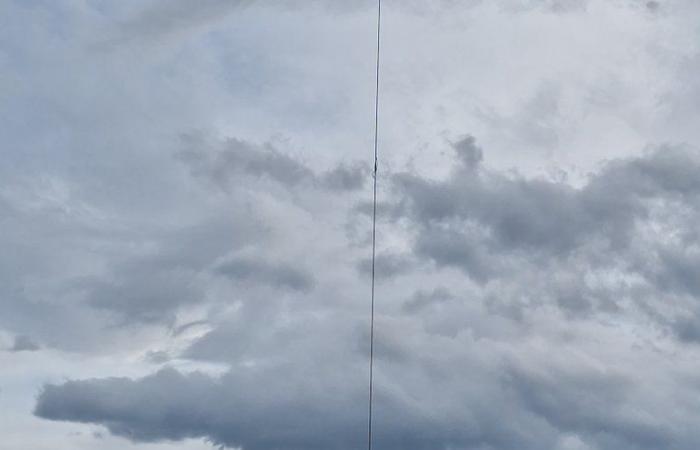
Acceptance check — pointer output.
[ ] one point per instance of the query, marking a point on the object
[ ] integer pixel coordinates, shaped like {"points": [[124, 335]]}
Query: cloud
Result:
{"points": [[653, 6], [162, 18], [222, 163], [346, 177], [554, 243], [514, 213], [515, 310], [24, 344], [468, 152], [266, 273], [421, 300], [554, 6], [603, 251], [524, 248], [589, 403], [152, 288], [256, 408], [236, 157], [387, 265], [170, 405]]}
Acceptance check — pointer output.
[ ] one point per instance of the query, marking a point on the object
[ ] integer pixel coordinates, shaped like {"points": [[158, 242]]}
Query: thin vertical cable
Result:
{"points": [[374, 225]]}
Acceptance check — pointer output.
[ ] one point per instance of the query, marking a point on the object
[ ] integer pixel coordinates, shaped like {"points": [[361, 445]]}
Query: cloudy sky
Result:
{"points": [[185, 219]]}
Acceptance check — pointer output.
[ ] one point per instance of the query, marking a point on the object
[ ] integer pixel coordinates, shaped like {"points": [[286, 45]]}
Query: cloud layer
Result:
{"points": [[186, 225], [533, 257]]}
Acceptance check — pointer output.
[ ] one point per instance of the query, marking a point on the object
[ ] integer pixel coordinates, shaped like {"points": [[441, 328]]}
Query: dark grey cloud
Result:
{"points": [[146, 296], [556, 244], [281, 275], [224, 163], [592, 404], [387, 265], [422, 299], [468, 152], [24, 344], [252, 408], [236, 158], [169, 405], [152, 288], [346, 177], [512, 213], [457, 249], [165, 17]]}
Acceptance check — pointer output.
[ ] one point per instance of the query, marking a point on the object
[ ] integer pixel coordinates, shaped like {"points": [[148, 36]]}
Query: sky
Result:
{"points": [[185, 217]]}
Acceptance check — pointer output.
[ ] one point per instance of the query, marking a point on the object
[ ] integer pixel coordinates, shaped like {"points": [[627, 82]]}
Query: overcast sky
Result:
{"points": [[185, 224]]}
